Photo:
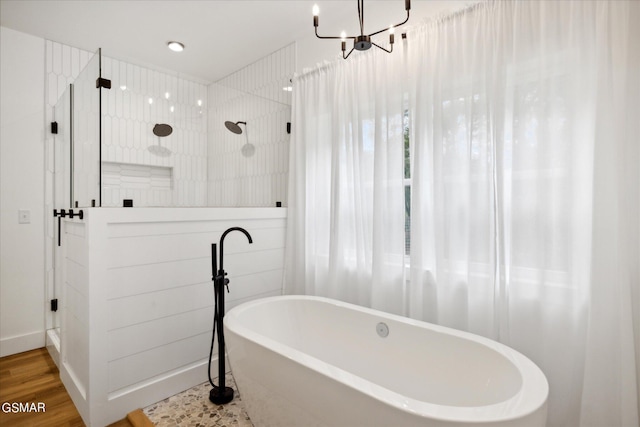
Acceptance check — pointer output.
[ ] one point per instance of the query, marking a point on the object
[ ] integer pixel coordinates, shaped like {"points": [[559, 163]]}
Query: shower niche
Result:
{"points": [[131, 178]]}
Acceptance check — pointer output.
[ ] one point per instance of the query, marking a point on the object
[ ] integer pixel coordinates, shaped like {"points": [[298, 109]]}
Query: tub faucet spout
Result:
{"points": [[246, 233]]}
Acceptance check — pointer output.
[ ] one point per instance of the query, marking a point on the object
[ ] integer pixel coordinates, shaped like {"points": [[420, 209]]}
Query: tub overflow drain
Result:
{"points": [[382, 329]]}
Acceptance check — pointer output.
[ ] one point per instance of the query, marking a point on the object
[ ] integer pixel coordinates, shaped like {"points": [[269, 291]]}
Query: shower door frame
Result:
{"points": [[65, 154]]}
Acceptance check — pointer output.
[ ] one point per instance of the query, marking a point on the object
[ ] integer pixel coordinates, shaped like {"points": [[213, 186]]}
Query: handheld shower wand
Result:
{"points": [[220, 394]]}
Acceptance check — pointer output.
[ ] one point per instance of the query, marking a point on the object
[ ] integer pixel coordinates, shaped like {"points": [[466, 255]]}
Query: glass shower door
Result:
{"points": [[76, 170], [61, 193], [86, 137]]}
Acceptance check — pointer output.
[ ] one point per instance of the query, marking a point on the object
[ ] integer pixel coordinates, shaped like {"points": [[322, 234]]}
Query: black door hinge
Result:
{"points": [[54, 127], [54, 304], [102, 82]]}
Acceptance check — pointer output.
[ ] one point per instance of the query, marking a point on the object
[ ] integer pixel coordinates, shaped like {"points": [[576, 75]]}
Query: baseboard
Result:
{"points": [[53, 346], [22, 343], [143, 395], [163, 387]]}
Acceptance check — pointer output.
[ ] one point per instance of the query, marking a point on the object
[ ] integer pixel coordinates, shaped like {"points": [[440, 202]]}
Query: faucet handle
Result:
{"points": [[226, 283]]}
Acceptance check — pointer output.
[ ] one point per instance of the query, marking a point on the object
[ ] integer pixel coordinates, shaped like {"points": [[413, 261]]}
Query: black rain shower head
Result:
{"points": [[162, 129], [233, 127]]}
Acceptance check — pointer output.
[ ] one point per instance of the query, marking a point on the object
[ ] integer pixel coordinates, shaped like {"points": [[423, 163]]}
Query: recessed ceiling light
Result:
{"points": [[175, 46]]}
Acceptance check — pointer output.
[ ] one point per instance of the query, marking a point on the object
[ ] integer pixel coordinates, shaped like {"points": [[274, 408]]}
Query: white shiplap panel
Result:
{"points": [[255, 262], [140, 279], [131, 229], [146, 336], [156, 305], [158, 249], [74, 306], [247, 286], [149, 364], [148, 300], [141, 250], [75, 354], [75, 228], [76, 277]]}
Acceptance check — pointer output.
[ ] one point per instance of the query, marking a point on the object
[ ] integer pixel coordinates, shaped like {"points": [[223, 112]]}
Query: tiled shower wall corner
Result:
{"points": [[257, 95]]}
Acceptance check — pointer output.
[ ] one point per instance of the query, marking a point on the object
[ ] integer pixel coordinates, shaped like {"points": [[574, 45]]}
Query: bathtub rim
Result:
{"points": [[531, 397]]}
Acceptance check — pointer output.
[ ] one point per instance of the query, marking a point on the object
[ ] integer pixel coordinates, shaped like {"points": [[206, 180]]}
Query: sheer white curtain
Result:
{"points": [[346, 200], [524, 223], [524, 121]]}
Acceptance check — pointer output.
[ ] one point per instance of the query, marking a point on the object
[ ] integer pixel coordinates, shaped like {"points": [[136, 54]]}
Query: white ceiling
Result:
{"points": [[220, 36]]}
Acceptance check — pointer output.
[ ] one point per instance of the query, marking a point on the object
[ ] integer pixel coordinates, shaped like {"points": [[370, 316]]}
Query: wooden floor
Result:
{"points": [[32, 378]]}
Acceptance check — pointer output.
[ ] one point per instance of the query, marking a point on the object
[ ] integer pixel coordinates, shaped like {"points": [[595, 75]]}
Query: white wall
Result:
{"points": [[22, 300]]}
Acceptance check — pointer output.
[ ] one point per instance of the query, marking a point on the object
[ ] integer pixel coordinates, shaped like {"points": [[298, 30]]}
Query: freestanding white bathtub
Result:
{"points": [[308, 361]]}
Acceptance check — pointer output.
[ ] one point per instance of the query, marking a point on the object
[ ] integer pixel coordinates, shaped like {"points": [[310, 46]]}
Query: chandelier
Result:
{"points": [[363, 41]]}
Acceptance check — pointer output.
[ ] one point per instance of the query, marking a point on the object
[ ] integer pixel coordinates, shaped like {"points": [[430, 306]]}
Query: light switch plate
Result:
{"points": [[24, 216]]}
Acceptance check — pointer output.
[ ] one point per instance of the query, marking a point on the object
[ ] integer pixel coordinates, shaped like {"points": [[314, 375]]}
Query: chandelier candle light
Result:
{"points": [[361, 42]]}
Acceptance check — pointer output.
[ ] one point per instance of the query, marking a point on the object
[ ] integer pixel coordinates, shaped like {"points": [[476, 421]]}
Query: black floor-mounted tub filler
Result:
{"points": [[220, 394]]}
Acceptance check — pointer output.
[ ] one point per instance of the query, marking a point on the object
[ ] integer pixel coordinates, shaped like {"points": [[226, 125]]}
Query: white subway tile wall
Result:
{"points": [[63, 65], [259, 95], [207, 161], [139, 99], [128, 118]]}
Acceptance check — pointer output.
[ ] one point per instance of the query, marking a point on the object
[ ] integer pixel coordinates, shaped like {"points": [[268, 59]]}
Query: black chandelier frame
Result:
{"points": [[363, 41]]}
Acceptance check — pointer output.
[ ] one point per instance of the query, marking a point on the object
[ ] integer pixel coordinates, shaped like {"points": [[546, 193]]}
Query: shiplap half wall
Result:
{"points": [[260, 95], [145, 297]]}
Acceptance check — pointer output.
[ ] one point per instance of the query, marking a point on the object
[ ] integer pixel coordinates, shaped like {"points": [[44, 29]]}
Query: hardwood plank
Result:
{"points": [[139, 419], [32, 378]]}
